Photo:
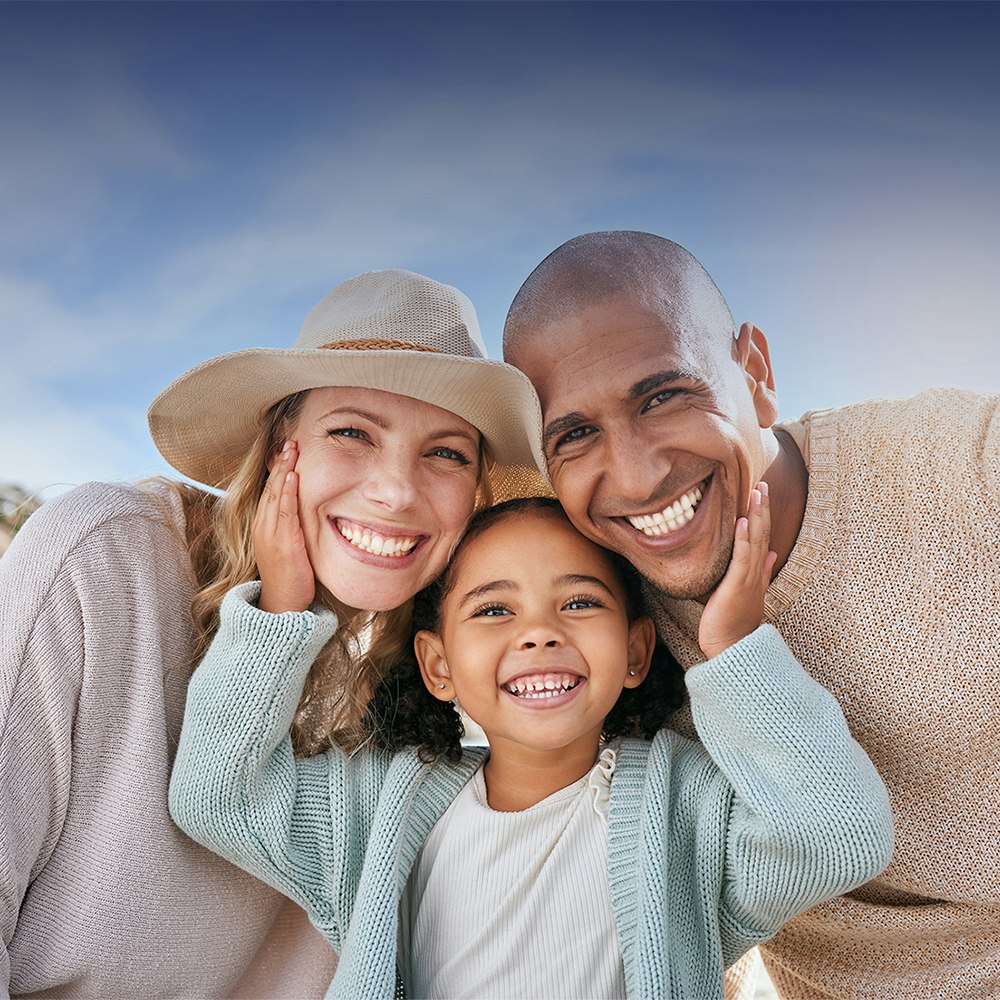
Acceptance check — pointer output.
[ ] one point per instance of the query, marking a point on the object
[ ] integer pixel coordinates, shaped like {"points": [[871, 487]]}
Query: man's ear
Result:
{"points": [[641, 641], [755, 357], [433, 665]]}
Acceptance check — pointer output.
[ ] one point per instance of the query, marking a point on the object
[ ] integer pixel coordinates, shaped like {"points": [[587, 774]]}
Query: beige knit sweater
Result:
{"points": [[891, 599], [100, 894]]}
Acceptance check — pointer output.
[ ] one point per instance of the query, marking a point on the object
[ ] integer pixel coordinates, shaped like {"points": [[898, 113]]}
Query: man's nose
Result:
{"points": [[633, 471]]}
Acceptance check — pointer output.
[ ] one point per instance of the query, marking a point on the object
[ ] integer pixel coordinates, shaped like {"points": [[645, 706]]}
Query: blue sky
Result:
{"points": [[179, 180]]}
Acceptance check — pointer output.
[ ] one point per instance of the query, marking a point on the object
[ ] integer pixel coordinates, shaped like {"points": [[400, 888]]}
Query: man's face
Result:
{"points": [[652, 436]]}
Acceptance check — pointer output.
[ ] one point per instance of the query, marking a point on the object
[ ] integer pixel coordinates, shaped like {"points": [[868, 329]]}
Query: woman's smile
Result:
{"points": [[377, 541]]}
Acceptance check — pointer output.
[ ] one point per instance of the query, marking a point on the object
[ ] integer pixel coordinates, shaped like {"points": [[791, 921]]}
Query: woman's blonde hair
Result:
{"points": [[366, 644]]}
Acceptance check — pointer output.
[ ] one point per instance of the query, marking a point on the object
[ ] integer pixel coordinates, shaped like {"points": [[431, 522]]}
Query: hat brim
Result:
{"points": [[204, 422]]}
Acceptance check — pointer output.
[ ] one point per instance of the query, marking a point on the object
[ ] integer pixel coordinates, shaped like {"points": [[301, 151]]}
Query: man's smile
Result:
{"points": [[673, 517]]}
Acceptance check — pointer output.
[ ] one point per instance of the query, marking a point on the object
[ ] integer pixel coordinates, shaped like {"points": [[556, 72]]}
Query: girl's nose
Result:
{"points": [[541, 635], [531, 644]]}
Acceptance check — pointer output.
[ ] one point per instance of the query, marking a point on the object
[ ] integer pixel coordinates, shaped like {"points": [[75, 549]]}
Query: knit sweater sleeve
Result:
{"points": [[41, 668], [809, 816], [237, 787]]}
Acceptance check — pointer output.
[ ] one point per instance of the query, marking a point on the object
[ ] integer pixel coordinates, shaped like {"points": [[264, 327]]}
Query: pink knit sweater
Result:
{"points": [[100, 894], [891, 599]]}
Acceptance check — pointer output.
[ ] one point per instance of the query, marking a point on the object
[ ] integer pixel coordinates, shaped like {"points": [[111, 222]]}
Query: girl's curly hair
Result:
{"points": [[403, 713]]}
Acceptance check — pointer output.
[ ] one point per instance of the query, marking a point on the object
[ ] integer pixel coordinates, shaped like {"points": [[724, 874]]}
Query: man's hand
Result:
{"points": [[736, 607], [287, 581]]}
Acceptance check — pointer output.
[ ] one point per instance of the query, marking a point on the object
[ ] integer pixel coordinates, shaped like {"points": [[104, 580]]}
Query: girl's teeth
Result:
{"points": [[542, 687]]}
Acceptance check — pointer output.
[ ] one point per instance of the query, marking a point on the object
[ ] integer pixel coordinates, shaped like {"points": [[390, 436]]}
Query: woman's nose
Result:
{"points": [[390, 483]]}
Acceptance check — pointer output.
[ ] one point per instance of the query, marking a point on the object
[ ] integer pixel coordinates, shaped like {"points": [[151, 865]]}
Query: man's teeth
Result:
{"points": [[671, 518], [542, 685], [378, 545]]}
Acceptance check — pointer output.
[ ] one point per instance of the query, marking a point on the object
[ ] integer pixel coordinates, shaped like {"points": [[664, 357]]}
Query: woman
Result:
{"points": [[110, 594]]}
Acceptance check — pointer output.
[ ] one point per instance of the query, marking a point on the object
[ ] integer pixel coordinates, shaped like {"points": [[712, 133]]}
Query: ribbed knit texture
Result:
{"points": [[100, 894], [891, 600], [706, 857]]}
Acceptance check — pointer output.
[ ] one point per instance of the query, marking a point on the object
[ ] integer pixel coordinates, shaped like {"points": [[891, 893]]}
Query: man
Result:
{"points": [[659, 418]]}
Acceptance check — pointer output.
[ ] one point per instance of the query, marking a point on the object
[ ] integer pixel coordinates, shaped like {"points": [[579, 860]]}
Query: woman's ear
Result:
{"points": [[433, 665], [641, 642]]}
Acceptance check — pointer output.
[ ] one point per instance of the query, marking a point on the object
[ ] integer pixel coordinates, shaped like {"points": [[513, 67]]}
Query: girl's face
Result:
{"points": [[535, 640], [386, 485]]}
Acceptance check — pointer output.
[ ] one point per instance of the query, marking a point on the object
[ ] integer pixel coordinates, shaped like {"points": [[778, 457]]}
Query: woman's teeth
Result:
{"points": [[670, 518], [378, 545], [542, 685]]}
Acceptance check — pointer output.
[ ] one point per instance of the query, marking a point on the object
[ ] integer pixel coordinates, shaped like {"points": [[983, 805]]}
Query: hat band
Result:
{"points": [[375, 344]]}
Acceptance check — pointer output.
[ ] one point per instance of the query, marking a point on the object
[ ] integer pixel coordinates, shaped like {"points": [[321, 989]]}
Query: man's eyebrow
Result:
{"points": [[486, 588], [657, 381]]}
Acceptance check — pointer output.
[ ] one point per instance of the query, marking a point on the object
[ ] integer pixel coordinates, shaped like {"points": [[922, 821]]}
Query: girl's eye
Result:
{"points": [[491, 611], [452, 454], [582, 603]]}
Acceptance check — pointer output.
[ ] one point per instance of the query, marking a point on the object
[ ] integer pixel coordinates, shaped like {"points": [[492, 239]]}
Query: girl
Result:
{"points": [[547, 866]]}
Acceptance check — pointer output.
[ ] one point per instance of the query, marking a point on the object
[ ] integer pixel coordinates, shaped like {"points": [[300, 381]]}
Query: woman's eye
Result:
{"points": [[347, 432], [452, 454]]}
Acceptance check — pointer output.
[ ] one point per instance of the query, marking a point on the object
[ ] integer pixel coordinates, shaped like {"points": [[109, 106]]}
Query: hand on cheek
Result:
{"points": [[736, 607], [286, 575]]}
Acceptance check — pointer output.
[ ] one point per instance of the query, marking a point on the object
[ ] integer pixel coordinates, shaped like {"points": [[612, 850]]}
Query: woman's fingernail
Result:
{"points": [[762, 486]]}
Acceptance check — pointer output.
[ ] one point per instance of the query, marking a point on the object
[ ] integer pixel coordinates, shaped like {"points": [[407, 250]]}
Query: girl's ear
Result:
{"points": [[433, 665], [641, 642]]}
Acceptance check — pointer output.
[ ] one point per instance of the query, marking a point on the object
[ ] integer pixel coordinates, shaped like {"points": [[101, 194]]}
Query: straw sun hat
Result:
{"points": [[392, 330]]}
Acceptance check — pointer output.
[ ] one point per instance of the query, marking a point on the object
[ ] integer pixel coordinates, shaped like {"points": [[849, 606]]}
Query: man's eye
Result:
{"points": [[576, 434], [658, 398]]}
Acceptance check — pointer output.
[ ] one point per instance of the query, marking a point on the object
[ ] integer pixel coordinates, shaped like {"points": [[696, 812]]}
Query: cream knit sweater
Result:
{"points": [[891, 599], [100, 894]]}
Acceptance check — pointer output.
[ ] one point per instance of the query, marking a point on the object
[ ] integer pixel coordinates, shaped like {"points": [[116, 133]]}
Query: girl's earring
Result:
{"points": [[441, 685], [631, 673]]}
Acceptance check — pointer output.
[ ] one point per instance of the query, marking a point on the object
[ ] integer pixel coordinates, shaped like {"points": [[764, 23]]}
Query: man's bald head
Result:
{"points": [[599, 266]]}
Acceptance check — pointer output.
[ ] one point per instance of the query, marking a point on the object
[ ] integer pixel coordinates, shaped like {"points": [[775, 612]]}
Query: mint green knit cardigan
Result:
{"points": [[711, 846]]}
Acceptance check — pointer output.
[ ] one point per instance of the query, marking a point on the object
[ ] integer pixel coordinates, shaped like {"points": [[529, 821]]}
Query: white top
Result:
{"points": [[515, 904]]}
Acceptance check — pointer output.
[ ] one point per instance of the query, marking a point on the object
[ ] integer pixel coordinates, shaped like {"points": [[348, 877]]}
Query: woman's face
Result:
{"points": [[386, 485]]}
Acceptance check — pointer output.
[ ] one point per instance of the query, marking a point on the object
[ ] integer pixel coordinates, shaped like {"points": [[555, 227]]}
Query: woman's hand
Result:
{"points": [[287, 581], [736, 606]]}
